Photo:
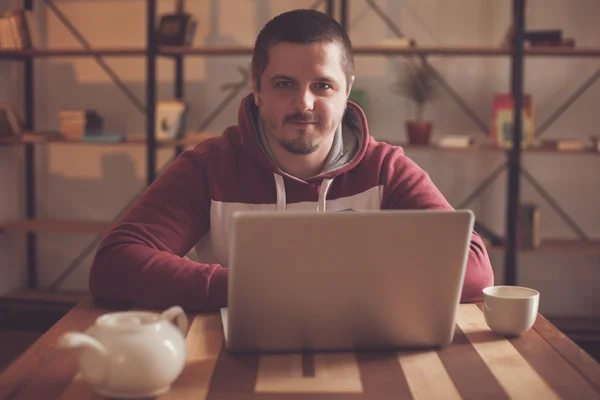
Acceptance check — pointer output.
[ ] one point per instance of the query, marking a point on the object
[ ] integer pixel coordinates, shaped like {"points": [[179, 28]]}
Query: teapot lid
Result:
{"points": [[129, 320]]}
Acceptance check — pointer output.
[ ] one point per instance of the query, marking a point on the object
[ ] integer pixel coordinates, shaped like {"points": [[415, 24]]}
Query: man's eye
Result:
{"points": [[283, 84], [323, 86]]}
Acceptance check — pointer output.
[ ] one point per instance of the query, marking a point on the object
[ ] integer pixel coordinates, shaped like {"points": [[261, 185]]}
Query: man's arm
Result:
{"points": [[410, 187], [140, 260]]}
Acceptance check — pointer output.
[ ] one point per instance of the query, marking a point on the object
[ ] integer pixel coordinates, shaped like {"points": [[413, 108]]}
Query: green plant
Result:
{"points": [[418, 82]]}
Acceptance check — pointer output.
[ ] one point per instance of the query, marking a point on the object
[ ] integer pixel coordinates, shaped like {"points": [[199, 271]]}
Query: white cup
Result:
{"points": [[510, 310]]}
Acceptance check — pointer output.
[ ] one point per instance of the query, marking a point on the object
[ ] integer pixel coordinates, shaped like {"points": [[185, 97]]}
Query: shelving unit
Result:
{"points": [[31, 225]]}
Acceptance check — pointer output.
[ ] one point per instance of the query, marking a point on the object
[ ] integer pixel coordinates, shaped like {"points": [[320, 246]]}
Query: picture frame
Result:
{"points": [[10, 123]]}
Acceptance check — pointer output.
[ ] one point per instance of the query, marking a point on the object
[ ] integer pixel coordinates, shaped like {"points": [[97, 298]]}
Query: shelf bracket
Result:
{"points": [[482, 186], [560, 110], [559, 210]]}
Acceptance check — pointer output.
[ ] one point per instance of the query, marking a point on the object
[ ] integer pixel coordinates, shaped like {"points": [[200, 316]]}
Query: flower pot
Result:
{"points": [[419, 132]]}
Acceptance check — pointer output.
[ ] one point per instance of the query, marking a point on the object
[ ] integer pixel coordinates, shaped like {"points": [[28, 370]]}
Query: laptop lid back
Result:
{"points": [[346, 280]]}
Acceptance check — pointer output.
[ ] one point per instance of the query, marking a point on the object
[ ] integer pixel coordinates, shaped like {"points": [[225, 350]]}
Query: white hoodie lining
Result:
{"points": [[281, 198]]}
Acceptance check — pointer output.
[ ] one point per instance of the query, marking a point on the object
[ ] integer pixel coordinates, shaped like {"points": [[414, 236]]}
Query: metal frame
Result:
{"points": [[513, 163], [30, 198], [151, 92], [514, 156]]}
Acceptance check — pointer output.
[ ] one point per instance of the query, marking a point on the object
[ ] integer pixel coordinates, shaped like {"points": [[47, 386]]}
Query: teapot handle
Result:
{"points": [[178, 317]]}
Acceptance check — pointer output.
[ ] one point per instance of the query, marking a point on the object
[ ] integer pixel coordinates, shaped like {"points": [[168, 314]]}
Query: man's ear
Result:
{"points": [[350, 83], [255, 90]]}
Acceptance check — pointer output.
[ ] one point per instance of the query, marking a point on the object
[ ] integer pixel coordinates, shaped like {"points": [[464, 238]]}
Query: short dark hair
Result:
{"points": [[303, 26]]}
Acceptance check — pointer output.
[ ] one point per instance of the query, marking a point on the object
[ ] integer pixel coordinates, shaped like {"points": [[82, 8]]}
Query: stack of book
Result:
{"points": [[75, 124], [14, 31], [563, 144], [456, 141], [548, 38]]}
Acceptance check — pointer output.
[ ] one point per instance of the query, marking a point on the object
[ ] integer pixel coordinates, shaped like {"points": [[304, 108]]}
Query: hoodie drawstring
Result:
{"points": [[281, 201], [323, 194]]}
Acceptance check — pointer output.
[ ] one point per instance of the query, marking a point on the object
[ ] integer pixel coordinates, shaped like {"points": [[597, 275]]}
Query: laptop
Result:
{"points": [[345, 281]]}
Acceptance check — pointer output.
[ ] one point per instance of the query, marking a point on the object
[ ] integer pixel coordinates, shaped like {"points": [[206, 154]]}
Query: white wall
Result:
{"points": [[95, 182]]}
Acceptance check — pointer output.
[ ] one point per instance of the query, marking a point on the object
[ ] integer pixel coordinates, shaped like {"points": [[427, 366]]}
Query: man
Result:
{"points": [[299, 144]]}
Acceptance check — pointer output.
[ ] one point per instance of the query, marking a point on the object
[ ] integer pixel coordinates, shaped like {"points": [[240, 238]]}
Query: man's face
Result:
{"points": [[302, 95]]}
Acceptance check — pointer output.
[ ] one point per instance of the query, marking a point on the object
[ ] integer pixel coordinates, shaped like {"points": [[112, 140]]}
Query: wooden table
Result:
{"points": [[542, 364]]}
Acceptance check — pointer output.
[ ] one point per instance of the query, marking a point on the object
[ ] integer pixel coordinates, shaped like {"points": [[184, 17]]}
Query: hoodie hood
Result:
{"points": [[348, 148]]}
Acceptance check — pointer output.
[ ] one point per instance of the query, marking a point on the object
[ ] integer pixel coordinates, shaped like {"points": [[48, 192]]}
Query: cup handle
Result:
{"points": [[177, 316]]}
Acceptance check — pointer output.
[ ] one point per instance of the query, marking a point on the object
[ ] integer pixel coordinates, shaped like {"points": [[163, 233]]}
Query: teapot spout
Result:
{"points": [[95, 371]]}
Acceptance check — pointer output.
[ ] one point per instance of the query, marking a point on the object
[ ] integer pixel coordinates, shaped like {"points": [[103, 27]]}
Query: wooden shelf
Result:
{"points": [[389, 50], [358, 50], [58, 138], [56, 226], [205, 50], [563, 52], [434, 147], [563, 247], [490, 147], [476, 51], [435, 51], [586, 151], [44, 296], [197, 138], [247, 50], [105, 52]]}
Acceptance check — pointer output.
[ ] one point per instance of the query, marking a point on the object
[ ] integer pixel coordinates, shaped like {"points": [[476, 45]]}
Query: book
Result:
{"points": [[569, 145], [11, 124], [176, 29], [563, 144], [395, 42], [564, 43], [14, 30], [528, 226], [22, 28], [502, 120], [102, 137], [544, 35], [455, 141]]}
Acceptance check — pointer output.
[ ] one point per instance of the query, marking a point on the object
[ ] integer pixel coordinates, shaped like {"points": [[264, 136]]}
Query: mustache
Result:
{"points": [[306, 117]]}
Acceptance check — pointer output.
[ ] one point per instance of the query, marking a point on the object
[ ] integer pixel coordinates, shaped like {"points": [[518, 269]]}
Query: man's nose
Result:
{"points": [[304, 100]]}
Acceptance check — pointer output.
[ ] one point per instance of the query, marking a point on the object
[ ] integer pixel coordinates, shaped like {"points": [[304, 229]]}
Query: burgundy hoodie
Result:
{"points": [[142, 259]]}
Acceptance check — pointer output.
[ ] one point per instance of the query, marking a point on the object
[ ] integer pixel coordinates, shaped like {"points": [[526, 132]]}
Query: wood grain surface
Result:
{"points": [[542, 363]]}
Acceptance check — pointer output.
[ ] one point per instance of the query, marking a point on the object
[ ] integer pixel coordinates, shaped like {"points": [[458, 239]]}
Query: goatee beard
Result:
{"points": [[299, 147]]}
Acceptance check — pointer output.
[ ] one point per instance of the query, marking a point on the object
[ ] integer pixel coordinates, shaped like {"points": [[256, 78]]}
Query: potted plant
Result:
{"points": [[419, 84]]}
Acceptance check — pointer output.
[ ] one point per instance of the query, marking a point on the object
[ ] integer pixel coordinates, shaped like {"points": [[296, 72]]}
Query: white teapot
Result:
{"points": [[131, 354]]}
